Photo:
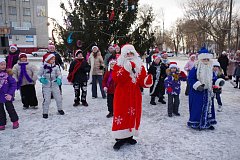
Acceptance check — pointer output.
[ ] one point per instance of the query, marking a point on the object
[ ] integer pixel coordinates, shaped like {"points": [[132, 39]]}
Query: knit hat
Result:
{"points": [[77, 52], [94, 47], [47, 57], [13, 46], [2, 60], [110, 62], [156, 56], [111, 48], [173, 65], [216, 64], [204, 54], [21, 55]]}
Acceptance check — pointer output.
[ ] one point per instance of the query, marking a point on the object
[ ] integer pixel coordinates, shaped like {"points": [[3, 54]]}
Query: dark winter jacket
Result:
{"points": [[81, 73], [13, 57], [108, 82], [237, 71], [158, 86], [8, 85], [223, 60]]}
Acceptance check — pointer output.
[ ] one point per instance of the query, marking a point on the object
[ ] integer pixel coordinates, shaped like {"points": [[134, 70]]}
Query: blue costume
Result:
{"points": [[201, 106]]}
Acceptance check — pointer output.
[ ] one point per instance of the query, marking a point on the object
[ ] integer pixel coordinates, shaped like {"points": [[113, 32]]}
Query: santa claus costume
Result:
{"points": [[201, 106], [129, 75]]}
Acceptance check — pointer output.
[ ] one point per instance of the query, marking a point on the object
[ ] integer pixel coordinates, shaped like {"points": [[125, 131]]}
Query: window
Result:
{"points": [[27, 24], [1, 9], [14, 24], [12, 10], [26, 11]]}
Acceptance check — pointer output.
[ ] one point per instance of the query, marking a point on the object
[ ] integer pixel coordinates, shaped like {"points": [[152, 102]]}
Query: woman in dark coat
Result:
{"points": [[223, 60]]}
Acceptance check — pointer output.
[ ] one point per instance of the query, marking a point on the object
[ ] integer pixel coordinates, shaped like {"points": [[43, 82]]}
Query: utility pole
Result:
{"points": [[237, 41], [229, 25]]}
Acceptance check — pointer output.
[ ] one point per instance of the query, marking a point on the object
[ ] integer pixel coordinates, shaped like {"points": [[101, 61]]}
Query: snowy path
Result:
{"points": [[84, 133]]}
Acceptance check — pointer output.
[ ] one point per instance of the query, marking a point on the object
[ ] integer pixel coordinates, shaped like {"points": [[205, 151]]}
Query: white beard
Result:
{"points": [[125, 62], [205, 74]]}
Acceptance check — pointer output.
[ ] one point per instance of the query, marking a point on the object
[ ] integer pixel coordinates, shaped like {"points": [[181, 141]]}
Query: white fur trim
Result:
{"points": [[2, 60], [145, 80], [218, 82], [127, 48], [49, 57], [120, 134], [13, 47], [196, 85], [205, 55], [173, 66]]}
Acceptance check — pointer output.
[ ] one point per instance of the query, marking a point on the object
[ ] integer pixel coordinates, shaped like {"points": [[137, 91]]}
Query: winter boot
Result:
{"points": [[219, 108], [152, 102], [34, 107], [131, 141], [119, 144], [45, 116], [211, 128], [2, 128], [75, 104], [25, 107], [176, 114], [61, 112], [162, 101], [109, 115], [169, 114], [84, 103], [15, 125]]}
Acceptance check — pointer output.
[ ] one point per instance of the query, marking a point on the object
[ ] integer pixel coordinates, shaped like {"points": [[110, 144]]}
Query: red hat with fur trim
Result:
{"points": [[47, 57], [13, 46], [22, 55], [173, 65]]}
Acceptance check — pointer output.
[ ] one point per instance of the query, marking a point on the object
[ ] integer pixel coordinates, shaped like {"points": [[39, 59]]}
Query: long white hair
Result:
{"points": [[205, 73]]}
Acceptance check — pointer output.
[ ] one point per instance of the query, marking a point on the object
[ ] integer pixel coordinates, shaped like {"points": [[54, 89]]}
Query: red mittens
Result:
{"points": [[183, 75], [169, 89], [149, 80]]}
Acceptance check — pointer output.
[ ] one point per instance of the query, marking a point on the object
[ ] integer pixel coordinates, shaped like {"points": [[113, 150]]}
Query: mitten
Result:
{"points": [[183, 75], [101, 67], [169, 89], [43, 80], [201, 87], [59, 81], [105, 89], [148, 80]]}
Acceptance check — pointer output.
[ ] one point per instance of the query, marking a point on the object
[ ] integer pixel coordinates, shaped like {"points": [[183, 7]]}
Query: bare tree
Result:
{"points": [[211, 17]]}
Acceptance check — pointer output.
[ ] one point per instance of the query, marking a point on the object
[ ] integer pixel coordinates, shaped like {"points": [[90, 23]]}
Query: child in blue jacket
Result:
{"points": [[173, 87]]}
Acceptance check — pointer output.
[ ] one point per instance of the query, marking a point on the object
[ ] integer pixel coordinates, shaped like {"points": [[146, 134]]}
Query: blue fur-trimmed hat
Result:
{"points": [[203, 53]]}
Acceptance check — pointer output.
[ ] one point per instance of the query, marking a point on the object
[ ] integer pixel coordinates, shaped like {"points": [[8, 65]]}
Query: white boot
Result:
{"points": [[219, 108]]}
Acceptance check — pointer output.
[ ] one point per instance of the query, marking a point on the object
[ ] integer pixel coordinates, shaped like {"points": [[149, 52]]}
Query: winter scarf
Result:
{"points": [[10, 60], [75, 69], [46, 66], [109, 78], [23, 73]]}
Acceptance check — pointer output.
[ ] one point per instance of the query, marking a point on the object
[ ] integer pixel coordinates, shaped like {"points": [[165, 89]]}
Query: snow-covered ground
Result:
{"points": [[84, 133]]}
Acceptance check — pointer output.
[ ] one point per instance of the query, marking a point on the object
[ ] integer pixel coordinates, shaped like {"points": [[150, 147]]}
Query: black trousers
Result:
{"points": [[237, 81], [28, 95], [187, 89], [110, 98], [77, 87], [11, 112], [173, 103]]}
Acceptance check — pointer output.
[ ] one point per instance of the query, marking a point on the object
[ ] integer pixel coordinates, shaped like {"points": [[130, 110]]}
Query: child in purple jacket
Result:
{"points": [[173, 88], [8, 86]]}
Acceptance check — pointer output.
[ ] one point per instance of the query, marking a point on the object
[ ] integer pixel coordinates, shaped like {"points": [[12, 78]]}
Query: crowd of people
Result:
{"points": [[119, 74]]}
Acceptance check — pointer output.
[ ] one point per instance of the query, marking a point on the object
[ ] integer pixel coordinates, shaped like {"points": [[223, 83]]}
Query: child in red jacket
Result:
{"points": [[109, 87]]}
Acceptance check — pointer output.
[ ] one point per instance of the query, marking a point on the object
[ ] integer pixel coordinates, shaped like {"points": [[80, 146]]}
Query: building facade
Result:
{"points": [[25, 23]]}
